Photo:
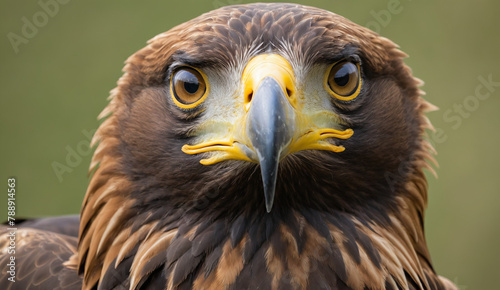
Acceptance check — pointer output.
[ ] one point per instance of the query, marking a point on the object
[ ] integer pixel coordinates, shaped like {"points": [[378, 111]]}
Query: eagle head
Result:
{"points": [[262, 145]]}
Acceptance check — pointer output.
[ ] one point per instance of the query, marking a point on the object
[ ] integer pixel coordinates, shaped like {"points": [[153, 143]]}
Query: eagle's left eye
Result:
{"points": [[189, 87], [343, 80]]}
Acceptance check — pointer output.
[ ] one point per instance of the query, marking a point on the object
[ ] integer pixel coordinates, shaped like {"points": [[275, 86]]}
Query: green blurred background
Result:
{"points": [[57, 82]]}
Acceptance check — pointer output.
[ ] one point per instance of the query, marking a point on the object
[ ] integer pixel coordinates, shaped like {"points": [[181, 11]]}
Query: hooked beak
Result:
{"points": [[273, 126], [270, 128]]}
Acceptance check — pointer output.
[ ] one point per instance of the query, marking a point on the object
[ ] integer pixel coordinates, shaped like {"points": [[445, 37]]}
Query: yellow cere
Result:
{"points": [[268, 65]]}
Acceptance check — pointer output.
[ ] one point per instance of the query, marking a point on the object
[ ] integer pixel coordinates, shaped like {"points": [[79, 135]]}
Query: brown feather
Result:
{"points": [[40, 257]]}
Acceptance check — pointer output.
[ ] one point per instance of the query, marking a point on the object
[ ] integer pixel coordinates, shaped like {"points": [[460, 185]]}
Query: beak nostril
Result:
{"points": [[289, 92], [248, 100], [249, 97]]}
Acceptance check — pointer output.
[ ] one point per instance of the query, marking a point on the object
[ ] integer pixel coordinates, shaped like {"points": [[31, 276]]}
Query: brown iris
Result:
{"points": [[188, 87], [344, 80]]}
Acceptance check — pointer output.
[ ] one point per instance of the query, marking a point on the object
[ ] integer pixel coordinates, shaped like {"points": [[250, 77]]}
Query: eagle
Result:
{"points": [[260, 146]]}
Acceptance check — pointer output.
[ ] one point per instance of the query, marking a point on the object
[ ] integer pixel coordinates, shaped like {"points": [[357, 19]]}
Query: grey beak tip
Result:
{"points": [[269, 206], [269, 188]]}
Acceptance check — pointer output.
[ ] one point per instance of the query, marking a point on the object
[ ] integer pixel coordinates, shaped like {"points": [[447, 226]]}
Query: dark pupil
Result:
{"points": [[191, 87], [343, 75], [190, 81]]}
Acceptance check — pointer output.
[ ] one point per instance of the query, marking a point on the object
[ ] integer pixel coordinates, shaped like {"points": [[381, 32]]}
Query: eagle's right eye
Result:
{"points": [[189, 87]]}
